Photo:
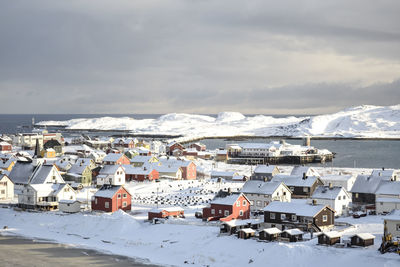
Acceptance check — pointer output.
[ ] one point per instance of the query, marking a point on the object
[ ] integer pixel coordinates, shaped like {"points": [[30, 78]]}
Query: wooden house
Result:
{"points": [[270, 234], [335, 197], [7, 164], [6, 187], [140, 173], [165, 213], [264, 172], [223, 175], [329, 238], [80, 173], [297, 215], [115, 159], [246, 233], [111, 175], [110, 198], [304, 171], [364, 188], [387, 174], [345, 181], [362, 240], [189, 168], [301, 186], [5, 147], [139, 161], [233, 226], [391, 225], [292, 235], [169, 171], [221, 155], [198, 146], [261, 193], [173, 146], [387, 197], [235, 206], [69, 206], [54, 144]]}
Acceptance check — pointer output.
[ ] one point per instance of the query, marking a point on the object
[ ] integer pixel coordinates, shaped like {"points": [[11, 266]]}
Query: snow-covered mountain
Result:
{"points": [[362, 121]]}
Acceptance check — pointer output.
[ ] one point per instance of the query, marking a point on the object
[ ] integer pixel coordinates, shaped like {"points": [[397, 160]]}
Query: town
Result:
{"points": [[165, 182]]}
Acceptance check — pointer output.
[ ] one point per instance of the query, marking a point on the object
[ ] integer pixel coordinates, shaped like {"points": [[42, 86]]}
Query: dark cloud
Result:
{"points": [[197, 56]]}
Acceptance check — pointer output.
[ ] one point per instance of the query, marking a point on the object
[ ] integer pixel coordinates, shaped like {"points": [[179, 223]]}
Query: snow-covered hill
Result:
{"points": [[362, 121]]}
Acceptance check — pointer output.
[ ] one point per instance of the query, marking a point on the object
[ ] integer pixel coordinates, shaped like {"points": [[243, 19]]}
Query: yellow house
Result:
{"points": [[143, 143], [48, 153]]}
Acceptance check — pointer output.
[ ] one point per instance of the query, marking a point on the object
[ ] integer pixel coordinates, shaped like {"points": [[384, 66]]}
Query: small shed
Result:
{"points": [[362, 240], [270, 234], [166, 212], [246, 233], [329, 238], [69, 206], [293, 235]]}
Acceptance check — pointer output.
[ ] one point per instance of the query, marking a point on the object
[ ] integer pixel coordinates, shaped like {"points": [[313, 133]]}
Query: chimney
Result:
{"points": [[229, 191], [304, 176], [314, 202], [330, 186], [383, 168]]}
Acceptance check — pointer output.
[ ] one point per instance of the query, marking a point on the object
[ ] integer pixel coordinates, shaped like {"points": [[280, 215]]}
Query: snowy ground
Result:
{"points": [[363, 121], [175, 244]]}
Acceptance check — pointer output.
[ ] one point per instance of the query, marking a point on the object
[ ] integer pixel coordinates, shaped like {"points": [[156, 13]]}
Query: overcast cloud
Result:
{"points": [[198, 56]]}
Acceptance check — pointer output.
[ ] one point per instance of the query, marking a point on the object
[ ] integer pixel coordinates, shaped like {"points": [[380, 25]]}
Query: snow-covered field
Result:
{"points": [[180, 244], [362, 121]]}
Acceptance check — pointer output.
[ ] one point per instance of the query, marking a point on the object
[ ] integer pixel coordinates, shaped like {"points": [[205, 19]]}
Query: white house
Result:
{"points": [[262, 193], [111, 174], [69, 206], [345, 181], [264, 172], [387, 197], [335, 197], [6, 187], [301, 170], [390, 175], [392, 224], [45, 196]]}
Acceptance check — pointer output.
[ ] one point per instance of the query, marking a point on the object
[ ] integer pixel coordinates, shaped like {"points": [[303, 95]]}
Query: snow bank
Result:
{"points": [[361, 121]]}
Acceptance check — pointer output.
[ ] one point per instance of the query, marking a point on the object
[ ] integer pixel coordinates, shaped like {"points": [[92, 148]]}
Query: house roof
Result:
{"points": [[388, 188], [4, 176], [325, 192], [113, 157], [336, 177], [141, 159], [222, 173], [272, 231], [78, 168], [256, 145], [260, 187], [298, 181], [129, 169], [40, 175], [332, 234], [21, 172], [295, 208], [294, 231], [169, 209], [247, 230], [43, 190], [229, 200], [365, 236], [265, 169], [110, 169], [383, 173], [394, 215], [108, 191], [366, 184], [299, 170]]}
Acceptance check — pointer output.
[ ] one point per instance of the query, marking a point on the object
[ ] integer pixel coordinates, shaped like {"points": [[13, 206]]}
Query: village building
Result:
{"points": [[48, 153], [329, 238], [345, 181], [335, 197], [246, 233], [387, 174], [233, 226], [69, 206], [198, 146], [7, 164], [270, 234], [6, 187], [264, 172], [111, 175], [292, 235], [304, 170], [115, 159], [145, 173], [124, 143], [301, 186], [262, 193], [285, 215], [363, 191], [235, 206], [174, 146], [223, 175], [110, 198], [387, 197], [5, 147], [391, 225], [45, 196], [165, 213], [221, 155], [168, 171], [80, 173], [139, 161], [189, 168], [362, 239], [143, 144], [55, 145]]}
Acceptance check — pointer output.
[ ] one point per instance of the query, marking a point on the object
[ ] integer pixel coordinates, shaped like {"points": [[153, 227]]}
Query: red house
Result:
{"points": [[235, 206], [189, 170], [115, 159], [5, 147], [166, 212], [111, 198], [140, 174], [171, 147], [198, 146]]}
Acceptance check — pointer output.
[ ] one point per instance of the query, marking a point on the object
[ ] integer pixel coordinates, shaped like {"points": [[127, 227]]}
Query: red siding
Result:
{"points": [[189, 172], [153, 175], [234, 211], [114, 203], [152, 215]]}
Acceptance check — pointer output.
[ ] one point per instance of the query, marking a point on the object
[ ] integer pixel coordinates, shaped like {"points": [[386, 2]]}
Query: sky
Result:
{"points": [[198, 56]]}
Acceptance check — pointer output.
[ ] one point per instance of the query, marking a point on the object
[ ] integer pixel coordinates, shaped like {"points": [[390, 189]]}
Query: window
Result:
{"points": [[219, 211], [119, 196], [95, 201], [272, 216], [258, 203], [238, 203], [344, 197], [3, 192], [339, 198], [324, 218], [124, 204], [292, 188], [305, 189], [283, 216], [213, 211], [397, 227], [226, 213], [244, 202], [294, 217], [241, 213], [356, 195], [106, 205], [124, 195]]}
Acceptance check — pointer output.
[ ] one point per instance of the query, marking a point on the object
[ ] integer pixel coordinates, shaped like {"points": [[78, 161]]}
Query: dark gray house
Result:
{"points": [[264, 172], [301, 186]]}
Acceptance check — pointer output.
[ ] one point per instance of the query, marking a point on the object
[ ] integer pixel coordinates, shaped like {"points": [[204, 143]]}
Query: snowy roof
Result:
{"points": [[388, 188], [129, 169], [77, 168], [167, 168], [222, 152], [290, 180], [294, 208], [256, 145], [309, 171], [272, 231], [387, 200], [168, 209], [112, 157], [383, 173], [265, 169], [43, 190], [260, 187], [336, 177], [366, 184], [7, 163], [40, 175], [21, 172], [365, 236], [180, 163], [332, 234], [247, 230], [394, 215], [107, 191], [222, 174], [141, 158], [294, 231], [109, 169], [229, 200], [325, 192]]}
